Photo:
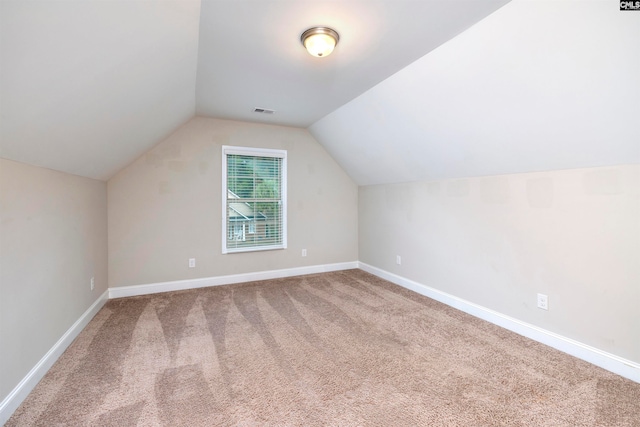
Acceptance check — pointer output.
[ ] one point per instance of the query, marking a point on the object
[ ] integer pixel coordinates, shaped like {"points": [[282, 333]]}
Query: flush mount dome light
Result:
{"points": [[320, 41]]}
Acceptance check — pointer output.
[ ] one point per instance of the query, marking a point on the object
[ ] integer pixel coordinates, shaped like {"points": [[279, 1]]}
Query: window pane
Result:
{"points": [[240, 165], [241, 187], [254, 200]]}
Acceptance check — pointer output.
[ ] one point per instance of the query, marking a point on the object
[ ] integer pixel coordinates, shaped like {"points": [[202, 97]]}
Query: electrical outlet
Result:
{"points": [[398, 260], [192, 262], [304, 252], [93, 283], [543, 301]]}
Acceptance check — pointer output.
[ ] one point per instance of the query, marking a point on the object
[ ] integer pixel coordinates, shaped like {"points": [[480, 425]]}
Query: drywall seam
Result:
{"points": [[610, 362], [179, 285], [22, 390]]}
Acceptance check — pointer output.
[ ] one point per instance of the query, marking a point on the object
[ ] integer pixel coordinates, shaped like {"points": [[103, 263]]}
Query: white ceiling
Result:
{"points": [[250, 54], [415, 90], [86, 86], [538, 85]]}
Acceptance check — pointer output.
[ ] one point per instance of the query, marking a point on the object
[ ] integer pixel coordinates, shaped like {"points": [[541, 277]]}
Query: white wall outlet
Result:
{"points": [[192, 262], [304, 252], [93, 283], [543, 301], [398, 260]]}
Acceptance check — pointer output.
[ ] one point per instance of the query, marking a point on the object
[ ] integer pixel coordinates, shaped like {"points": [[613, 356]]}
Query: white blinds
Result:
{"points": [[254, 194]]}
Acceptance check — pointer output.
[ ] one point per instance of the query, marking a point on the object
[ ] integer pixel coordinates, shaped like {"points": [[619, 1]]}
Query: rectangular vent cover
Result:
{"points": [[263, 111]]}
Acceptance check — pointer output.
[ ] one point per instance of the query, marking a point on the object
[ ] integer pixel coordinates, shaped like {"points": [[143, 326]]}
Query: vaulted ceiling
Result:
{"points": [[416, 89], [538, 85]]}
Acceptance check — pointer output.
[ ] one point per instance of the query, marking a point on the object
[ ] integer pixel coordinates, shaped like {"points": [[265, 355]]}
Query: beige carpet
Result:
{"points": [[338, 349]]}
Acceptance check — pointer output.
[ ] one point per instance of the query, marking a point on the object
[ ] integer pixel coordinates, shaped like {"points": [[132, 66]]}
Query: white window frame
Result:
{"points": [[257, 152]]}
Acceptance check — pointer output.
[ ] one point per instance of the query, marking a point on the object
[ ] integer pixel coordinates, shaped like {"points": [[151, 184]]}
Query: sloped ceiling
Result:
{"points": [[86, 86], [414, 91], [538, 85], [250, 53]]}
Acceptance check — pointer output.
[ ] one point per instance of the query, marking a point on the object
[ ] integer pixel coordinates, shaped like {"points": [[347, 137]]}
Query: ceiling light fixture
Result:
{"points": [[320, 41]]}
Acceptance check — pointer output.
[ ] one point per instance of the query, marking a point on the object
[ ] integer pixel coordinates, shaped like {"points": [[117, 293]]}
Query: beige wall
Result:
{"points": [[498, 241], [165, 207], [53, 239]]}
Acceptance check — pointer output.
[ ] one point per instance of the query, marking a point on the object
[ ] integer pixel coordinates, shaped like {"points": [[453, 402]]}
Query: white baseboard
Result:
{"points": [[608, 361], [179, 285], [22, 390]]}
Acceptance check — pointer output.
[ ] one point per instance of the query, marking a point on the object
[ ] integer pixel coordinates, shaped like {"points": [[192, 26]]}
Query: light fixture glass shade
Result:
{"points": [[320, 41]]}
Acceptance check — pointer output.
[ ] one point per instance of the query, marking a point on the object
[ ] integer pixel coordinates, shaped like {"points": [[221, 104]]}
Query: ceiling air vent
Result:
{"points": [[263, 111]]}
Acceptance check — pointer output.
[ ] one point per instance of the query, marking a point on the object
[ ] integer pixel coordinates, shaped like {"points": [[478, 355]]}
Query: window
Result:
{"points": [[254, 194]]}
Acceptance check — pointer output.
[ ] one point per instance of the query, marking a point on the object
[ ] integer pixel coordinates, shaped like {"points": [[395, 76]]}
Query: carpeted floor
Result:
{"points": [[338, 349]]}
